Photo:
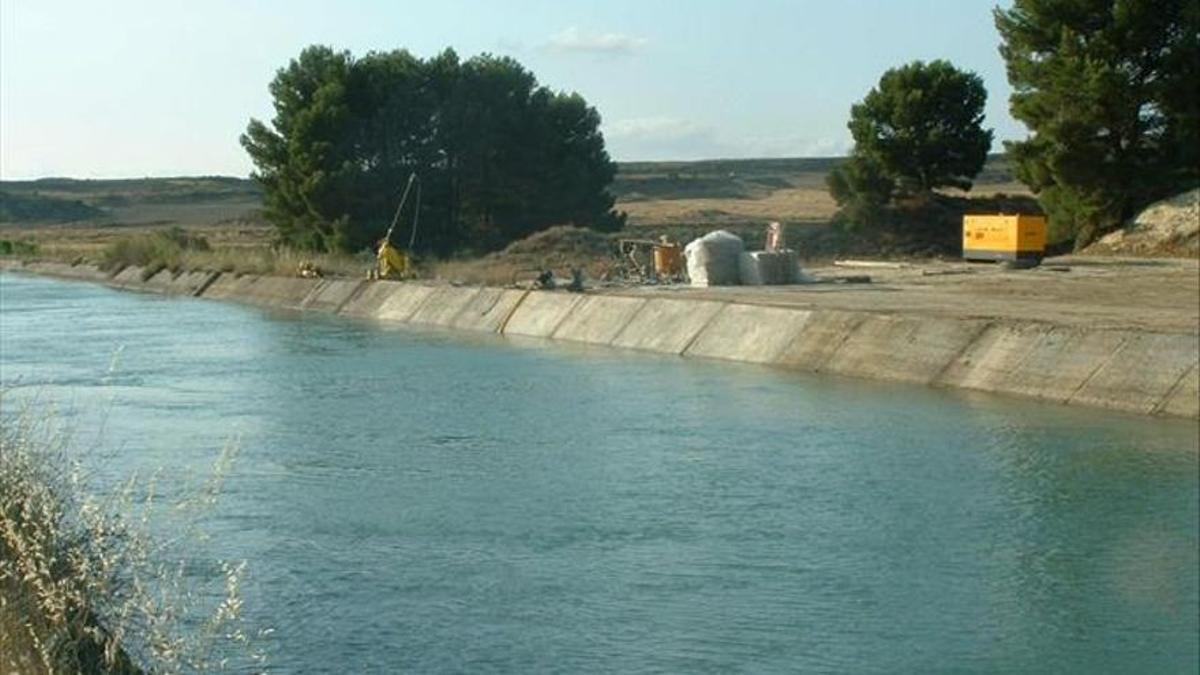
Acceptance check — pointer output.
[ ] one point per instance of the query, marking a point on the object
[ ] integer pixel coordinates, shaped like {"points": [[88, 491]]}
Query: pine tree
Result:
{"points": [[1108, 88]]}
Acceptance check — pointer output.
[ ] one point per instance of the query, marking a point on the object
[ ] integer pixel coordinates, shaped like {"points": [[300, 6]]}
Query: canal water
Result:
{"points": [[430, 502]]}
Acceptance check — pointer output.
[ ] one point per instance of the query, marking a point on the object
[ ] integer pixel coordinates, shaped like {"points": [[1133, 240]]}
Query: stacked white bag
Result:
{"points": [[712, 260]]}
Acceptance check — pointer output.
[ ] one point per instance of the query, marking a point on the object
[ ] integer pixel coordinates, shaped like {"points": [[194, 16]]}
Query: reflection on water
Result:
{"points": [[428, 501]]}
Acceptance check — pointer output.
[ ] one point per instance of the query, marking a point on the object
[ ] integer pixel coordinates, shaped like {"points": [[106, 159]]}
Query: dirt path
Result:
{"points": [[1092, 292]]}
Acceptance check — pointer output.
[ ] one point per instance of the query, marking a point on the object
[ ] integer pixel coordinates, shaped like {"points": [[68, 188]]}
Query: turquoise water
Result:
{"points": [[430, 502]]}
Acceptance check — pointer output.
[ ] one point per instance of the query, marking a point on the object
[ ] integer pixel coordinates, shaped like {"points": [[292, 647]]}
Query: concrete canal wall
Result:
{"points": [[1130, 370]]}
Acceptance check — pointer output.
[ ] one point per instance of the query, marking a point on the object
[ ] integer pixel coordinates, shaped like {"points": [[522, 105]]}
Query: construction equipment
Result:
{"points": [[635, 259], [391, 262], [1016, 239], [649, 260], [668, 260]]}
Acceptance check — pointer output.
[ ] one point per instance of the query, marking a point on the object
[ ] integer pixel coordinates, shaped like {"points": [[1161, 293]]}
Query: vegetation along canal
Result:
{"points": [[433, 502]]}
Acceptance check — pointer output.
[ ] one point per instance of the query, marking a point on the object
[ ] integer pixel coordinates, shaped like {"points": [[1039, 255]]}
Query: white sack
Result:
{"points": [[712, 260], [757, 268]]}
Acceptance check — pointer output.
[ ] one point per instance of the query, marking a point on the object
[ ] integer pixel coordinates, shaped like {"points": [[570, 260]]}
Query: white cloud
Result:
{"points": [[655, 138], [654, 128], [574, 40], [673, 138], [791, 146]]}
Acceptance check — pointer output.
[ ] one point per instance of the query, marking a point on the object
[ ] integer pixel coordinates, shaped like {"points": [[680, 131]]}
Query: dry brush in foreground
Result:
{"points": [[83, 586]]}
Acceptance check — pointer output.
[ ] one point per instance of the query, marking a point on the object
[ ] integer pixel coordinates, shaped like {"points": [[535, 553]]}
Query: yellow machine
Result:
{"points": [[1018, 238], [392, 263]]}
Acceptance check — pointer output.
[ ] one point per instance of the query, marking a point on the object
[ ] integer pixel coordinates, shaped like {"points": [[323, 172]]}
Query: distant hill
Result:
{"points": [[130, 201], [745, 178], [27, 208], [652, 193]]}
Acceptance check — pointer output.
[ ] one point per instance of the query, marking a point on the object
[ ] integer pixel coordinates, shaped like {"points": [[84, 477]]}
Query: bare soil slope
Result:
{"points": [[1169, 227]]}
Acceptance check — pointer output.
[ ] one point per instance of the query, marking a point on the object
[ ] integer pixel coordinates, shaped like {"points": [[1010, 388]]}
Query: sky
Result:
{"points": [[133, 88]]}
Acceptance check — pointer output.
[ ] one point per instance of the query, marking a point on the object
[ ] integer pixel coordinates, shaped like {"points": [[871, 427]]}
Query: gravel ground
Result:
{"points": [[1085, 291]]}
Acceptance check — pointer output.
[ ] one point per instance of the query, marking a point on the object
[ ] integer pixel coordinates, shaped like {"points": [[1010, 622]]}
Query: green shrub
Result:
{"points": [[18, 248], [161, 249]]}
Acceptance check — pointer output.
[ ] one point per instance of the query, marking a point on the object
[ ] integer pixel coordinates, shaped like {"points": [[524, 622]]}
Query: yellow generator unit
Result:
{"points": [[1018, 238]]}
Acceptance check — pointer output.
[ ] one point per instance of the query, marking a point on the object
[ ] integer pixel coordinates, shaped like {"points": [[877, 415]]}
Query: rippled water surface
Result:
{"points": [[429, 501]]}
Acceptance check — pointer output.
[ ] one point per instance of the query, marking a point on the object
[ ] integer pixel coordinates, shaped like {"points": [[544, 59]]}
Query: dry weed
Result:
{"points": [[84, 587]]}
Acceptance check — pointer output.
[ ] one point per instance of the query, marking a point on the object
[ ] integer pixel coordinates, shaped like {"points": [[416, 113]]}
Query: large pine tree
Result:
{"points": [[1109, 90], [498, 156]]}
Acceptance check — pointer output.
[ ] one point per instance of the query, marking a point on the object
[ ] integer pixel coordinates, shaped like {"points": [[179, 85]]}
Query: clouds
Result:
{"points": [[574, 40], [655, 128], [659, 136], [666, 138]]}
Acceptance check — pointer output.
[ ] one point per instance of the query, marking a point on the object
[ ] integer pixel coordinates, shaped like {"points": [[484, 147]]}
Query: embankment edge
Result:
{"points": [[1134, 371]]}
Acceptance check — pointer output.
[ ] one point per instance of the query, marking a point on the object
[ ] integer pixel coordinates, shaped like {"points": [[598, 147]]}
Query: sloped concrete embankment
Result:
{"points": [[1135, 371], [1141, 372]]}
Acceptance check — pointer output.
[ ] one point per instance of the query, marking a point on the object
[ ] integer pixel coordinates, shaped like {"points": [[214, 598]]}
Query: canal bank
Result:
{"points": [[1132, 368], [421, 500]]}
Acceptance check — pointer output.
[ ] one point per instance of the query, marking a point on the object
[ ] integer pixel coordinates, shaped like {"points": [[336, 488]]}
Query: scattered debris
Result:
{"points": [[939, 273], [308, 270], [545, 280], [851, 279], [878, 264], [576, 285], [636, 259]]}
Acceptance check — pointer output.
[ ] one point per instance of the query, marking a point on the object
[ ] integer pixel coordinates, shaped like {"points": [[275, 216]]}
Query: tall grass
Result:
{"points": [[152, 251], [276, 261], [180, 251], [84, 587]]}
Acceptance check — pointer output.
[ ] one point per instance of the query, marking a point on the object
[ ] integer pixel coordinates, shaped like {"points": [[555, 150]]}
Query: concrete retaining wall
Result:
{"points": [[184, 283], [403, 301], [598, 319], [749, 333], [540, 313], [443, 304], [129, 279], [903, 349], [666, 326], [489, 310], [331, 294], [1184, 400], [369, 299], [60, 270], [1135, 371], [1142, 374], [285, 292], [229, 287], [1045, 362]]}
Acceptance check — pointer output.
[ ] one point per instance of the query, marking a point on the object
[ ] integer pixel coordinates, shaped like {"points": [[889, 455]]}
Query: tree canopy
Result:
{"points": [[922, 125], [919, 129], [1108, 88], [498, 156]]}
